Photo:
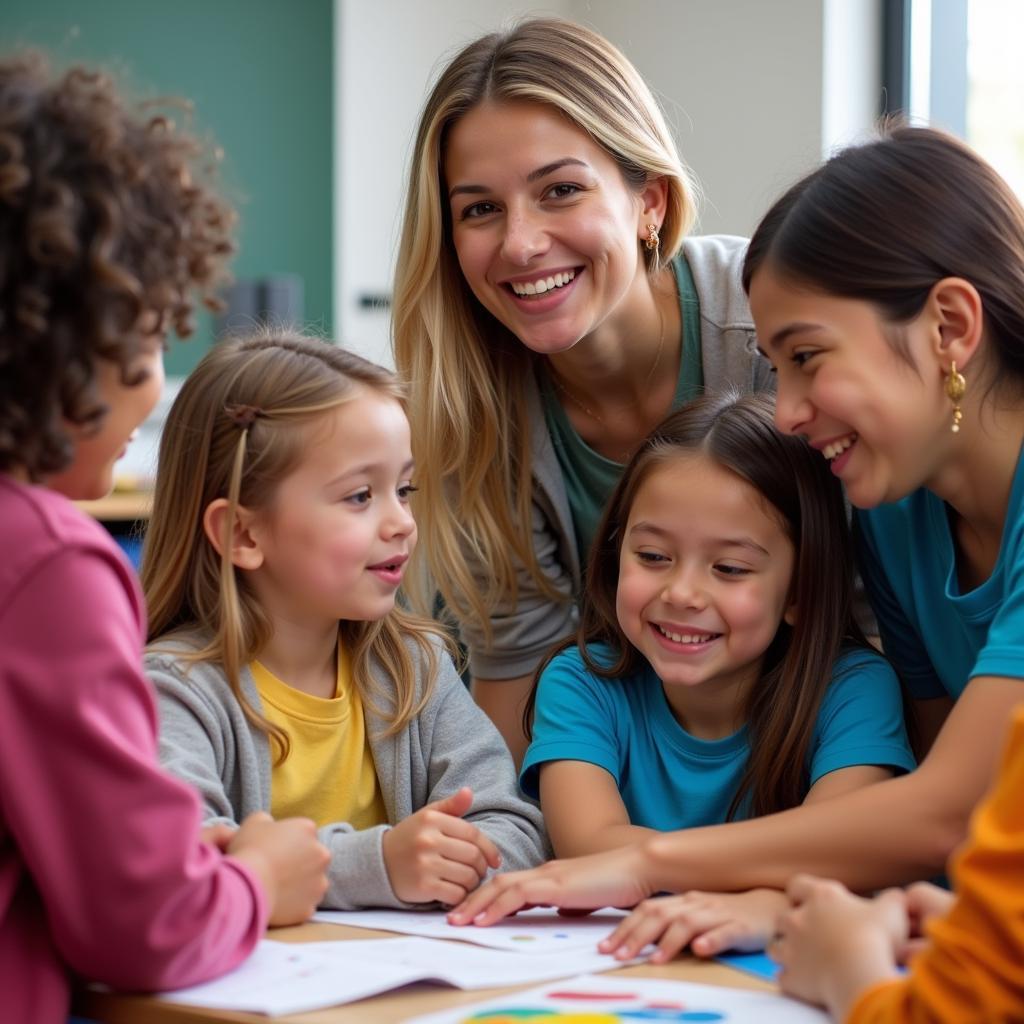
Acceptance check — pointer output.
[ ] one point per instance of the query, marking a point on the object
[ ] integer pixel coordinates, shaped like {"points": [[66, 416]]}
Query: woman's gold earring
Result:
{"points": [[955, 388], [652, 241]]}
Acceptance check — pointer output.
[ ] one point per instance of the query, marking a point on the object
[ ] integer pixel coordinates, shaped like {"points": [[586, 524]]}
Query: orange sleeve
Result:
{"points": [[973, 968]]}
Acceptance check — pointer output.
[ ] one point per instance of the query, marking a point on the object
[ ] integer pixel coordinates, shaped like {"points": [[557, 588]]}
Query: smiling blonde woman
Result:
{"points": [[549, 311]]}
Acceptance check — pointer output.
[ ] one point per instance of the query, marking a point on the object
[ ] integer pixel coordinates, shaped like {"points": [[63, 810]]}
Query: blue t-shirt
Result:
{"points": [[937, 637], [671, 780]]}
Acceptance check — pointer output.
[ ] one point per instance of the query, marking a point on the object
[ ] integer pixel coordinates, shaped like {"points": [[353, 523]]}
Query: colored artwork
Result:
{"points": [[652, 1012], [601, 1000]]}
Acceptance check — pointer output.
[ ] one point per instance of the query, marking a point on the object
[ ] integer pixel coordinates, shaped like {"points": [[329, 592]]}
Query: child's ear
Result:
{"points": [[957, 309], [789, 615], [245, 549]]}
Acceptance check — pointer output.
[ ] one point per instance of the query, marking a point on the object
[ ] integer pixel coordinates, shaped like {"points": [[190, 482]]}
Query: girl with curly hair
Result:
{"points": [[106, 229]]}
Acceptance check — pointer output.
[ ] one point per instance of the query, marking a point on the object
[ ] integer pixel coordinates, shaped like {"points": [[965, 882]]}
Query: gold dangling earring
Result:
{"points": [[652, 241], [955, 388]]}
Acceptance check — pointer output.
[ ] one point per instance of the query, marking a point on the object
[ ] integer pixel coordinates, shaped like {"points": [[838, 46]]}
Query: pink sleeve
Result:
{"points": [[132, 896]]}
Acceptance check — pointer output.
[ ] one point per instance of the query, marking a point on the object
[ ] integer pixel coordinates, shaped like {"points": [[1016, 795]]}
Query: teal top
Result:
{"points": [[670, 779], [589, 477], [936, 635]]}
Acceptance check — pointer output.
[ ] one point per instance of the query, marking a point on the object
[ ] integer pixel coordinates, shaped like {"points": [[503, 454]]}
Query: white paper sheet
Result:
{"points": [[469, 967], [630, 1001], [292, 977], [537, 931], [286, 977]]}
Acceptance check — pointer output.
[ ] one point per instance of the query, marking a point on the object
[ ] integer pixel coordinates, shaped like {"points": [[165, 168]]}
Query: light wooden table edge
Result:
{"points": [[119, 506]]}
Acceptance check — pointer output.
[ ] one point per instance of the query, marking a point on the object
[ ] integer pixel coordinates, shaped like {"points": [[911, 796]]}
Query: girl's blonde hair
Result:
{"points": [[467, 371], [236, 430]]}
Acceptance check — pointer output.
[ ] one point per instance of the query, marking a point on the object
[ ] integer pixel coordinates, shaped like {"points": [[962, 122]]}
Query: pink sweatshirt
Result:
{"points": [[101, 869]]}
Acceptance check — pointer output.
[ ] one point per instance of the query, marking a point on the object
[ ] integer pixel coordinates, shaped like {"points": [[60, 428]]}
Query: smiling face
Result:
{"points": [[882, 422], [545, 228], [704, 574], [336, 539], [91, 473]]}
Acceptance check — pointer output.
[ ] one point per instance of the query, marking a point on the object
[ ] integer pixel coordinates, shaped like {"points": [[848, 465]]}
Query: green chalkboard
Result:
{"points": [[259, 73]]}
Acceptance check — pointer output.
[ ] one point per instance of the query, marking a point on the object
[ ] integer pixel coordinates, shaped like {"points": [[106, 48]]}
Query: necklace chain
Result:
{"points": [[576, 400]]}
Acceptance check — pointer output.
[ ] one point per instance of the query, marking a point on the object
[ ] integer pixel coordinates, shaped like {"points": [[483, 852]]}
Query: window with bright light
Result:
{"points": [[956, 64], [995, 86]]}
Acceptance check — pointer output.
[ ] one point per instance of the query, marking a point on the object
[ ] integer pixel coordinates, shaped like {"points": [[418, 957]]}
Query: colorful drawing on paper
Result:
{"points": [[630, 1007], [600, 999]]}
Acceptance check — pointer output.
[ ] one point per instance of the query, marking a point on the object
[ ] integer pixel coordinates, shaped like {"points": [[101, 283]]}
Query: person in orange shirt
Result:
{"points": [[966, 951]]}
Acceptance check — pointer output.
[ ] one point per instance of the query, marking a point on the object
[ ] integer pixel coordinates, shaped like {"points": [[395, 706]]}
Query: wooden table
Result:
{"points": [[387, 1008], [119, 506]]}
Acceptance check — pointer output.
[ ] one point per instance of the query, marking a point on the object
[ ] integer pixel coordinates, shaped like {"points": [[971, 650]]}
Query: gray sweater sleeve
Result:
{"points": [[467, 750], [199, 741], [357, 876]]}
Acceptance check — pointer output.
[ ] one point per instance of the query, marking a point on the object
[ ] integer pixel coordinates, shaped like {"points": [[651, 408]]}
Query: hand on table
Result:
{"points": [[709, 922], [612, 879], [289, 861]]}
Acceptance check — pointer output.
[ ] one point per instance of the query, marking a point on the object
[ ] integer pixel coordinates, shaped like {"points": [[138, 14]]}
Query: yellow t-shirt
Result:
{"points": [[329, 774]]}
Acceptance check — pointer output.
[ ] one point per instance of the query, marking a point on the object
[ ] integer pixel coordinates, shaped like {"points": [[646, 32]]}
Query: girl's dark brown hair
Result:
{"points": [[737, 433], [106, 228], [885, 221]]}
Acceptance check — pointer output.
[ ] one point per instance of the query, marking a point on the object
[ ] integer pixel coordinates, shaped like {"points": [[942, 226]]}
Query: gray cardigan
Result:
{"points": [[525, 630], [206, 741]]}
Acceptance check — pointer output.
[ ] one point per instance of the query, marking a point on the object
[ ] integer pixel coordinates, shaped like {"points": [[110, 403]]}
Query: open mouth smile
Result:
{"points": [[836, 448], [542, 285], [690, 639]]}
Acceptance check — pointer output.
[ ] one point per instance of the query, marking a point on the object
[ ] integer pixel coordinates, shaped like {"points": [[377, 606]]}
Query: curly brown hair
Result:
{"points": [[108, 225]]}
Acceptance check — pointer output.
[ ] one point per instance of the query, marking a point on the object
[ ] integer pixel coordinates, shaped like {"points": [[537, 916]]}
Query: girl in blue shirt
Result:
{"points": [[717, 673]]}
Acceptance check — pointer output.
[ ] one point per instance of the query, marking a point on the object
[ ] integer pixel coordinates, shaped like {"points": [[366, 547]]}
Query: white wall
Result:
{"points": [[757, 91], [387, 55], [740, 81]]}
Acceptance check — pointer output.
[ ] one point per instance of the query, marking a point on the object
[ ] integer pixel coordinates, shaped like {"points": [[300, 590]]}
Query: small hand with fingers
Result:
{"points": [[832, 944], [434, 855], [707, 922]]}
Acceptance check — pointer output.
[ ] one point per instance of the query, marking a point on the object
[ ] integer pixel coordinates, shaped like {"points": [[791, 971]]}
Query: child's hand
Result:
{"points": [[708, 921], [288, 859], [219, 835], [832, 945], [614, 878], [924, 901], [435, 855]]}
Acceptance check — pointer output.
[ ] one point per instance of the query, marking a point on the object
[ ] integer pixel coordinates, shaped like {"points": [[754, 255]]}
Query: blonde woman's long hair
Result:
{"points": [[467, 371], [237, 428]]}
